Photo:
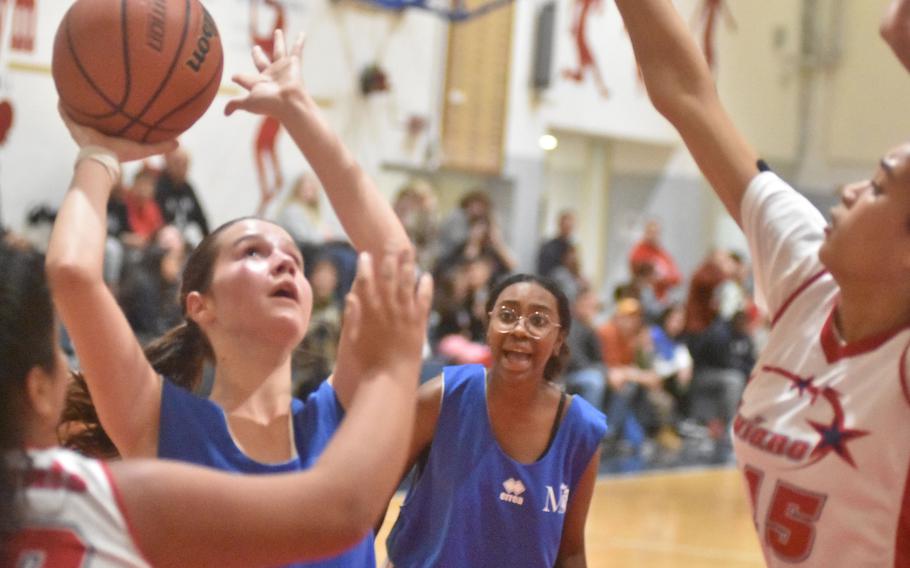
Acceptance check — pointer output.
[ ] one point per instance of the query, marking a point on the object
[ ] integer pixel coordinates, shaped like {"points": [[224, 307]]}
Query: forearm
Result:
{"points": [[365, 214], [383, 413], [673, 68], [76, 249]]}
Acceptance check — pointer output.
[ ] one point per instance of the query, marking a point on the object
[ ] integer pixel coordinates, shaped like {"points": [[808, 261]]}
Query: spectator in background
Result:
{"points": [[454, 229], [314, 358], [142, 210], [415, 206], [642, 288], [627, 349], [484, 240], [586, 373], [460, 303], [300, 215], [671, 358], [649, 249], [568, 273], [177, 199], [550, 254], [148, 291], [702, 302]]}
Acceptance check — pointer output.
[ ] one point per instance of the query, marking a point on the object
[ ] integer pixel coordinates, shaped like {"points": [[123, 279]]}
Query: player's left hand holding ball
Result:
{"points": [[125, 150]]}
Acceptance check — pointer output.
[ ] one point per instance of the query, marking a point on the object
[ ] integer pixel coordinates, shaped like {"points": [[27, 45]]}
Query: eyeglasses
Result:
{"points": [[537, 324]]}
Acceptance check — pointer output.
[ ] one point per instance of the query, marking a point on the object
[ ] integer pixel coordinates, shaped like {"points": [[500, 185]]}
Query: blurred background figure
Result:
{"points": [[415, 205], [314, 358], [586, 373], [177, 199], [649, 249], [550, 253], [142, 211]]}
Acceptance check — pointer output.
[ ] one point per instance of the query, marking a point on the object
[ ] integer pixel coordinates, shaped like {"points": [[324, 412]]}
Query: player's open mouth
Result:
{"points": [[285, 290]]}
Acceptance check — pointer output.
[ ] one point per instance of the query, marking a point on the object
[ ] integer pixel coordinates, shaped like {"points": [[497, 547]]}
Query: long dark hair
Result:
{"points": [[557, 362], [26, 341]]}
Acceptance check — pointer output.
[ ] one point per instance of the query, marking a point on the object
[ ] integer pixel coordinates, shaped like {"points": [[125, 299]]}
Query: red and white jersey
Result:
{"points": [[823, 432], [73, 516]]}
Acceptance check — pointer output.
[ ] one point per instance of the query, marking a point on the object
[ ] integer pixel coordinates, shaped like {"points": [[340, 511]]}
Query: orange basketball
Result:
{"points": [[139, 69]]}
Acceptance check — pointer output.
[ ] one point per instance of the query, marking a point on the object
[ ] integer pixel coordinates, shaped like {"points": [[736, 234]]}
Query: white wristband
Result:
{"points": [[102, 156]]}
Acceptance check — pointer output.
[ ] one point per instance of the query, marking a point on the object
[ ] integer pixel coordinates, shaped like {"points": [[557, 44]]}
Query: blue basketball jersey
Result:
{"points": [[473, 505], [194, 429]]}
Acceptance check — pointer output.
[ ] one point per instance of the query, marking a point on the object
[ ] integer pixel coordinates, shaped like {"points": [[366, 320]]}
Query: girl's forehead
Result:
{"points": [[253, 228], [530, 293]]}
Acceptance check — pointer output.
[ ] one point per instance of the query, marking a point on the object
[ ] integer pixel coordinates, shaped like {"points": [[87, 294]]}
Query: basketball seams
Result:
{"points": [[126, 54], [149, 106], [170, 72], [84, 72], [215, 76]]}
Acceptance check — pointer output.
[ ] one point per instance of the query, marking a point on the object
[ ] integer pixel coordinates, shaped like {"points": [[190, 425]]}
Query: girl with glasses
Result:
{"points": [[505, 461]]}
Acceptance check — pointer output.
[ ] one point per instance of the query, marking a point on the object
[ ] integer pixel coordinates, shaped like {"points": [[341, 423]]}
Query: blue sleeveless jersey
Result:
{"points": [[473, 505], [194, 430]]}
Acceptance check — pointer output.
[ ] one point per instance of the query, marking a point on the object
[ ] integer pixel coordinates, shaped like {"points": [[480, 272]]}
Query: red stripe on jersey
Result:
{"points": [[118, 498], [835, 350], [902, 542], [796, 293]]}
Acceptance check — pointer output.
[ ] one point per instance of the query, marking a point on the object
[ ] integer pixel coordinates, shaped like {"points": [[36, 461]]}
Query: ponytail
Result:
{"points": [[79, 428], [180, 354]]}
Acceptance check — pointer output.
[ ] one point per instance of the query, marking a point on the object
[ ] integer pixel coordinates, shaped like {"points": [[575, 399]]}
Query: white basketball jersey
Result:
{"points": [[823, 432], [73, 517]]}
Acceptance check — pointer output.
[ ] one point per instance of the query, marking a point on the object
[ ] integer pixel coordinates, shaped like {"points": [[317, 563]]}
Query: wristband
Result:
{"points": [[102, 156]]}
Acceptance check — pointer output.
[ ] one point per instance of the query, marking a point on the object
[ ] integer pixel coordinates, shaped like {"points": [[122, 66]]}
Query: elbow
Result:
{"points": [[896, 35], [67, 272]]}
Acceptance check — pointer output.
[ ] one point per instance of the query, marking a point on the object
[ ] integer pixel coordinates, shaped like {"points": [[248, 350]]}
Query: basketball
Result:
{"points": [[145, 70]]}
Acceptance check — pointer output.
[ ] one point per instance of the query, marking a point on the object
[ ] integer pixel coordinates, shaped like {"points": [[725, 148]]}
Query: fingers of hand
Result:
{"points": [[297, 49], [365, 282], [353, 315], [387, 280], [245, 81], [260, 59], [279, 50], [407, 277], [425, 295]]}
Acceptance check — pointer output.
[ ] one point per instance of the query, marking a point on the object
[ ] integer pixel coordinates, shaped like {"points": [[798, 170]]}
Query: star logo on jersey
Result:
{"points": [[513, 490], [834, 436], [802, 384]]}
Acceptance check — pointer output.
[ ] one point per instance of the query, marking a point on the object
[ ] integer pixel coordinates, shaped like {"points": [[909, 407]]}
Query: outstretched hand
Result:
{"points": [[125, 150], [279, 76], [385, 318]]}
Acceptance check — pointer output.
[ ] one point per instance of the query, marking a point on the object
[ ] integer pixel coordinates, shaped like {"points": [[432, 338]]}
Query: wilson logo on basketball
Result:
{"points": [[156, 25], [513, 490], [202, 44]]}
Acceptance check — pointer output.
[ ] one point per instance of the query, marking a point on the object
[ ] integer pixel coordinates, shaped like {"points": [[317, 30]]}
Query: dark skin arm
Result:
{"points": [[429, 403], [572, 546]]}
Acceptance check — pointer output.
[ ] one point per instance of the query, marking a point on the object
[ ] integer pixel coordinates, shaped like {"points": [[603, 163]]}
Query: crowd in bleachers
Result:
{"points": [[666, 359]]}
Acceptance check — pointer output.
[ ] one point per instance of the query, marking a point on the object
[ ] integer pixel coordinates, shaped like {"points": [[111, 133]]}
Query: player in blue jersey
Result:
{"points": [[246, 305], [505, 459], [60, 509]]}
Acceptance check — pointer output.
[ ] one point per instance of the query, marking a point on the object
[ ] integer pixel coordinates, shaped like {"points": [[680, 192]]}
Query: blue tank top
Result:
{"points": [[473, 505], [194, 430]]}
